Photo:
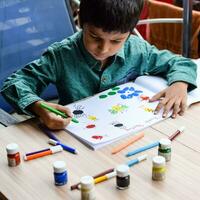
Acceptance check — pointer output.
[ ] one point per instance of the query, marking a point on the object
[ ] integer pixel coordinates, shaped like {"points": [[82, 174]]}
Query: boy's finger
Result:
{"points": [[157, 96], [183, 107], [64, 109], [167, 107], [176, 109], [161, 104]]}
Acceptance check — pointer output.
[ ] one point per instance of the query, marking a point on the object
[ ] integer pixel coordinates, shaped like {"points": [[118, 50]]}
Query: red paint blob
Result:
{"points": [[90, 126], [144, 97], [97, 137]]}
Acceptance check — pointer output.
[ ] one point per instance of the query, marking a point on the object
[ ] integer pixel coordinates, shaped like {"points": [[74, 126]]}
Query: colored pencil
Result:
{"points": [[179, 131], [57, 112], [144, 148], [52, 150], [64, 146], [76, 186], [34, 152], [127, 143], [137, 160], [104, 177]]}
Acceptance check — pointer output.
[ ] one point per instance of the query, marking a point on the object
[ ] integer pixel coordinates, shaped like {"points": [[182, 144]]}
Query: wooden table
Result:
{"points": [[34, 179]]}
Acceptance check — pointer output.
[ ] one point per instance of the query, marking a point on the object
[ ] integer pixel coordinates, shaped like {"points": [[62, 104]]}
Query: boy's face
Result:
{"points": [[101, 45]]}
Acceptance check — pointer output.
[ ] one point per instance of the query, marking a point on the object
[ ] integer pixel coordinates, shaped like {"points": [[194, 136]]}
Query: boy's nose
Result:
{"points": [[103, 47]]}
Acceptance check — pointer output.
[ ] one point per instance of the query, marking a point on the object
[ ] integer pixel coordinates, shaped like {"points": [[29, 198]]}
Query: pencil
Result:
{"points": [[57, 112], [137, 160], [76, 186], [64, 146], [144, 148], [51, 150], [126, 144], [104, 177]]}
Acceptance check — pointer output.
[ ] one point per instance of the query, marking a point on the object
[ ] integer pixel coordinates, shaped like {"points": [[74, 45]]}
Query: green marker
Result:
{"points": [[57, 112]]}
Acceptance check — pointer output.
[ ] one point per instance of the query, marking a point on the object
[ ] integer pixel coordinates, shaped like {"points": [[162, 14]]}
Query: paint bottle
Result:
{"points": [[159, 168], [122, 177], [87, 188], [164, 149], [13, 154], [60, 173]]}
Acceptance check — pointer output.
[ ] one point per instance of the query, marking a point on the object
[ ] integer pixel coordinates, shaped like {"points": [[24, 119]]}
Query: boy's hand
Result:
{"points": [[51, 120], [174, 97]]}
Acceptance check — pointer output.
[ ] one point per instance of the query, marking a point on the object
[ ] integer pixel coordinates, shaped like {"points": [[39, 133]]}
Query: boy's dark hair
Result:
{"points": [[111, 15]]}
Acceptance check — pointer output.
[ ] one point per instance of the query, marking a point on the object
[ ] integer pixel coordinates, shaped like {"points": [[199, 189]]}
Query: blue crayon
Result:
{"points": [[141, 149]]}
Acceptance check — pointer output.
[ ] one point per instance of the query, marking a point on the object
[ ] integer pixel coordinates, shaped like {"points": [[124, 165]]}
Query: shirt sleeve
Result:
{"points": [[170, 66], [24, 86]]}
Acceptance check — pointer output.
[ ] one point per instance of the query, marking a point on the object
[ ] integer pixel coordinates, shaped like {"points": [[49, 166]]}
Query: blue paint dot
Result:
{"points": [[121, 91], [135, 94], [138, 91], [129, 96], [123, 96], [126, 88], [131, 89]]}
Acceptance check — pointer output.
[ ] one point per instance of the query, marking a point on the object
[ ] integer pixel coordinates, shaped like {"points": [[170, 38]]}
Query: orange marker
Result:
{"points": [[126, 144], [51, 150]]}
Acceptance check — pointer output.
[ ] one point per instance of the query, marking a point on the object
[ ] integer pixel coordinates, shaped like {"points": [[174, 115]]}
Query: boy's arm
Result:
{"points": [[23, 87], [173, 67], [181, 75]]}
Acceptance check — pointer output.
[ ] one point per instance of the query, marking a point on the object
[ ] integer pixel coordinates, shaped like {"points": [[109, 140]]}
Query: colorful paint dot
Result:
{"points": [[90, 126], [138, 91], [118, 125], [135, 94], [103, 96], [131, 89], [77, 112], [111, 93], [123, 96], [121, 91], [116, 88], [91, 117], [97, 137], [143, 97]]}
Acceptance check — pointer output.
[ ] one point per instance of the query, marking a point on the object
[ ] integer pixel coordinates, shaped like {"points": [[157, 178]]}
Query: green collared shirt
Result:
{"points": [[76, 74]]}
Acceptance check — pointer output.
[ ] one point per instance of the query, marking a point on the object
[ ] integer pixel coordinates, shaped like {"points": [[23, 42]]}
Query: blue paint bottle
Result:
{"points": [[60, 173]]}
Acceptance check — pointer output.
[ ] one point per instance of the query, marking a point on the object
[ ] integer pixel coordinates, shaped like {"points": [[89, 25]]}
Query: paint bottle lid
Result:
{"points": [[87, 182], [59, 166], [165, 143], [158, 161], [12, 148], [122, 170]]}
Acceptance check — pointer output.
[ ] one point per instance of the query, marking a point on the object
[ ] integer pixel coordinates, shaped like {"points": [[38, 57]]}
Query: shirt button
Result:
{"points": [[103, 79]]}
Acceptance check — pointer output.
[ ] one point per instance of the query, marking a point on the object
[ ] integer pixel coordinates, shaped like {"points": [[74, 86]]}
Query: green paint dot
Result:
{"points": [[103, 96], [111, 93], [116, 88]]}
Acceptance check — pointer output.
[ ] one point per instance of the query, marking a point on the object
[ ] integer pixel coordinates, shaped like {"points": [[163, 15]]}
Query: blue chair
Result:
{"points": [[27, 28]]}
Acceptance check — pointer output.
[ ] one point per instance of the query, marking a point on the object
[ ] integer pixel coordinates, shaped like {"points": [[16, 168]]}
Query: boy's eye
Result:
{"points": [[115, 41], [94, 37]]}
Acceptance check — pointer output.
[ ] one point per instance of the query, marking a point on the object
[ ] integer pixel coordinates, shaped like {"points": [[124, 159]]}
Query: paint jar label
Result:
{"points": [[158, 173], [60, 178], [13, 159]]}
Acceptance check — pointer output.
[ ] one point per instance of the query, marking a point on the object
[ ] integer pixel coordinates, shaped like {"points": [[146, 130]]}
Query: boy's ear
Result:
{"points": [[78, 20]]}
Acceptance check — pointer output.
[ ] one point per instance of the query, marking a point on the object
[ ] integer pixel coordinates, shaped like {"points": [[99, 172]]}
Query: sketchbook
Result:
{"points": [[120, 111]]}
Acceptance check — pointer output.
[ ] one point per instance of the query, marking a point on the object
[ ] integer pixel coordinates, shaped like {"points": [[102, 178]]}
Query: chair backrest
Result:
{"points": [[169, 36], [27, 28]]}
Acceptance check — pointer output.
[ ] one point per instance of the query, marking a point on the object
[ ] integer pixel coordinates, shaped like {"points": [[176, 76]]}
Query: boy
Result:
{"points": [[102, 55]]}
